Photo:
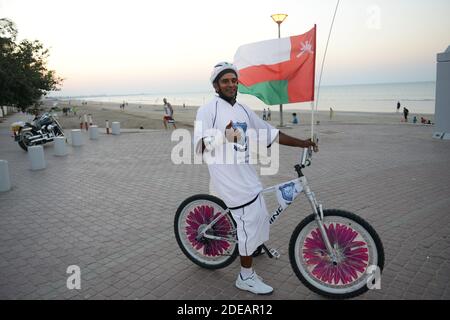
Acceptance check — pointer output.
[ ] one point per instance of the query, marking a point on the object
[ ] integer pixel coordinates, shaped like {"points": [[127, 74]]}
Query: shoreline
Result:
{"points": [[149, 116], [180, 106]]}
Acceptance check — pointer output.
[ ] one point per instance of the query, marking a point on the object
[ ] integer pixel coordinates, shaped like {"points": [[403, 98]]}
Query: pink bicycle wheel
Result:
{"points": [[209, 246], [357, 248]]}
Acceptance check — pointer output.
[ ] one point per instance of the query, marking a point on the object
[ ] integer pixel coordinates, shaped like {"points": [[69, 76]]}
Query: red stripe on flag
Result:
{"points": [[262, 73]]}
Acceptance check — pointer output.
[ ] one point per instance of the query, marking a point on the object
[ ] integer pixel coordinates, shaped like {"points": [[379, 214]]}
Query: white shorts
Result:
{"points": [[252, 226]]}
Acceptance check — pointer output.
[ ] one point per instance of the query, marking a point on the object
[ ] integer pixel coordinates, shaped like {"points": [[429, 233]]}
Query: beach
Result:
{"points": [[149, 116]]}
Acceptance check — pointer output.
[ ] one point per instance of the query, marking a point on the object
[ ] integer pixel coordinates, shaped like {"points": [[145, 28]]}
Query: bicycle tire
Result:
{"points": [[196, 212], [350, 277]]}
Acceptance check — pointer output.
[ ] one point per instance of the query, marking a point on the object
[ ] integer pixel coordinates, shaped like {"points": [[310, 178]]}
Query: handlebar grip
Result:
{"points": [[316, 141]]}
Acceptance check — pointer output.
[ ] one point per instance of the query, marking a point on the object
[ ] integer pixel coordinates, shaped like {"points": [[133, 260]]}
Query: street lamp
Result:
{"points": [[279, 18]]}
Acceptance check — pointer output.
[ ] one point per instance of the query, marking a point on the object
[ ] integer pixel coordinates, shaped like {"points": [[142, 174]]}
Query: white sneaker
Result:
{"points": [[253, 284]]}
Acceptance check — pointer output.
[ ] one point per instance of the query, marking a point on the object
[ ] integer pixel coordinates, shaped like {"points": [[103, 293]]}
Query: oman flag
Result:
{"points": [[278, 71]]}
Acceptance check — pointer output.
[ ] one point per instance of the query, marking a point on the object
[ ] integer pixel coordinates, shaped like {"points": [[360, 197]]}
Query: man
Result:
{"points": [[238, 184], [168, 114], [405, 113]]}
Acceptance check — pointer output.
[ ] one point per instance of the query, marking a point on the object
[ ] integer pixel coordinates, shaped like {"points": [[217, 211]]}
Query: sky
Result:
{"points": [[170, 46]]}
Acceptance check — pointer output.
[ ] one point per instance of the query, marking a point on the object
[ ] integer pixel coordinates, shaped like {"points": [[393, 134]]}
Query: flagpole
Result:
{"points": [[313, 84], [312, 120], [321, 72], [323, 61]]}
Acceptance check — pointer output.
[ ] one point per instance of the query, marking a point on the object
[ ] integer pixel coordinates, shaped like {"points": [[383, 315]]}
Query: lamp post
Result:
{"points": [[279, 18]]}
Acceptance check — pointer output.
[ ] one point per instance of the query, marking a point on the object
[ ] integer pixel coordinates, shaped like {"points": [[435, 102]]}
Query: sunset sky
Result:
{"points": [[126, 47]]}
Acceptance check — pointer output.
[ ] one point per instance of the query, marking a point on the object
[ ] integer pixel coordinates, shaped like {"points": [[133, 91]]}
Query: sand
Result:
{"points": [[137, 116]]}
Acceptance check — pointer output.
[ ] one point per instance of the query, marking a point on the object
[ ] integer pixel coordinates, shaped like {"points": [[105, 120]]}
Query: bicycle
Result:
{"points": [[332, 252]]}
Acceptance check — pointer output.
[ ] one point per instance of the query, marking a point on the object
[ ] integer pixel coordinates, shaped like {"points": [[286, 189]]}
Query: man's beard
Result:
{"points": [[231, 100]]}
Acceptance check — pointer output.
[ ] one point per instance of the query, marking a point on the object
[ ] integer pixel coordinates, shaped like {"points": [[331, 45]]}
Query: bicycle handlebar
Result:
{"points": [[307, 153]]}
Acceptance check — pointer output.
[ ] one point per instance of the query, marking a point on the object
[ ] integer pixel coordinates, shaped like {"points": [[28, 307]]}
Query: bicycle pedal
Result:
{"points": [[259, 251], [274, 253]]}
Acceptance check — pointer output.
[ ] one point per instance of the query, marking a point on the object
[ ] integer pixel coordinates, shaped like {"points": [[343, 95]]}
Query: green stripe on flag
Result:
{"points": [[270, 92]]}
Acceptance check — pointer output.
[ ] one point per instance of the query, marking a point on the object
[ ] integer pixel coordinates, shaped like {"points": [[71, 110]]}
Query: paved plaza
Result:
{"points": [[109, 205]]}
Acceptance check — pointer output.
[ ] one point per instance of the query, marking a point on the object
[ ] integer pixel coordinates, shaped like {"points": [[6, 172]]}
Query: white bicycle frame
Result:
{"points": [[283, 204]]}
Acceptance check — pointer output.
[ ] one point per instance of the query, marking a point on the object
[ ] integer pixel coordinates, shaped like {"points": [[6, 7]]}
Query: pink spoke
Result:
{"points": [[203, 215], [355, 255]]}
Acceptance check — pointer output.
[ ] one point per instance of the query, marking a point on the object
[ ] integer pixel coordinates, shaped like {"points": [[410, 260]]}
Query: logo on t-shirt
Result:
{"points": [[241, 144]]}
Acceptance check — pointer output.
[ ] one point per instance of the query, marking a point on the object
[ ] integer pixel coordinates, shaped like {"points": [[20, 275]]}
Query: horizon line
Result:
{"points": [[191, 92]]}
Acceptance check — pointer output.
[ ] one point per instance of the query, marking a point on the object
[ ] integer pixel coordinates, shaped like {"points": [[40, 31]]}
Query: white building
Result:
{"points": [[442, 109]]}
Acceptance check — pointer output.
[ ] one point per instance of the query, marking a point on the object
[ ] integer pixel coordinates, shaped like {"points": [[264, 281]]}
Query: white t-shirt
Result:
{"points": [[168, 110], [236, 183]]}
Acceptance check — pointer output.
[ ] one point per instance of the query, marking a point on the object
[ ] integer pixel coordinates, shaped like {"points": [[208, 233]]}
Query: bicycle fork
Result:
{"points": [[318, 211]]}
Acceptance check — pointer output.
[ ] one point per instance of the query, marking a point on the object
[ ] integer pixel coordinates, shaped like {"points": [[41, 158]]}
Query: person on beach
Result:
{"points": [[425, 121], [222, 125], [405, 113], [269, 116], [168, 114], [264, 114], [398, 106], [294, 118]]}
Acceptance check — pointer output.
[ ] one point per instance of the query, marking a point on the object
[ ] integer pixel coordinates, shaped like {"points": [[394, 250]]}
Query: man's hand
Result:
{"points": [[231, 134], [312, 144], [308, 143], [286, 140]]}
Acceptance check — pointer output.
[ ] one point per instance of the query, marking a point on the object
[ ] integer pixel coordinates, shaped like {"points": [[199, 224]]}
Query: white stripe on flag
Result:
{"points": [[264, 52]]}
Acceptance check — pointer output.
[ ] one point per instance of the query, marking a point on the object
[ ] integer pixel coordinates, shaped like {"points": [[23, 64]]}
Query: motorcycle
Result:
{"points": [[42, 129]]}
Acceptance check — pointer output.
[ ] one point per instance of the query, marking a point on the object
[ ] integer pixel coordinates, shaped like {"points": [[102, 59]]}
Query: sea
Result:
{"points": [[418, 97]]}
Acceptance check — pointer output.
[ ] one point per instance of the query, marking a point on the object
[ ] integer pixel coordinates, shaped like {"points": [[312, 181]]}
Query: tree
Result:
{"points": [[24, 76]]}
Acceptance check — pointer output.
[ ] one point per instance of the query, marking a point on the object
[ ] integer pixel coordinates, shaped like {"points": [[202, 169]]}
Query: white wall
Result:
{"points": [[442, 109]]}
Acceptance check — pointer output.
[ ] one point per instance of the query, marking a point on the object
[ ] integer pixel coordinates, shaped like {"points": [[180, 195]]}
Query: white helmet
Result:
{"points": [[220, 67]]}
